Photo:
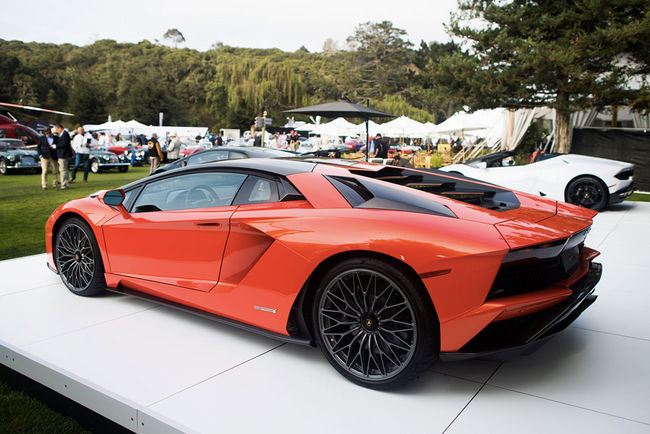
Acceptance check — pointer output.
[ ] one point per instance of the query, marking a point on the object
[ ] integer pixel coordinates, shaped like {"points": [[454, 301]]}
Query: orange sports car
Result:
{"points": [[384, 268]]}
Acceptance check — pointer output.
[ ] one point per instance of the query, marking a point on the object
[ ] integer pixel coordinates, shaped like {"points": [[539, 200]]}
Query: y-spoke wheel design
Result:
{"points": [[587, 192], [77, 258], [370, 327]]}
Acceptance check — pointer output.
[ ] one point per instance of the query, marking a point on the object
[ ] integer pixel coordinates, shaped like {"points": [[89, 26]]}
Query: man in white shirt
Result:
{"points": [[80, 145], [173, 148]]}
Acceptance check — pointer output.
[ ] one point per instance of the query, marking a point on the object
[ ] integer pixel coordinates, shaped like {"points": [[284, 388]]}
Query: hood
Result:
{"points": [[22, 153]]}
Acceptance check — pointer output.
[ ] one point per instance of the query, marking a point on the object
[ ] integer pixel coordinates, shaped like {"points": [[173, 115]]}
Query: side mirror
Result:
{"points": [[114, 197]]}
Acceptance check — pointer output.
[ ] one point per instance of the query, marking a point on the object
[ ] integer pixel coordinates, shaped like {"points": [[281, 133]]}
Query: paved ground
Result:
{"points": [[192, 374]]}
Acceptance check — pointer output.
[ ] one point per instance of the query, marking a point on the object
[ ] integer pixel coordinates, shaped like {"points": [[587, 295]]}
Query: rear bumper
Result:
{"points": [[622, 194], [504, 340]]}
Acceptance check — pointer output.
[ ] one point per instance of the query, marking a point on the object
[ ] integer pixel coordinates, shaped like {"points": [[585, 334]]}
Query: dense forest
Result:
{"points": [[224, 86], [569, 56]]}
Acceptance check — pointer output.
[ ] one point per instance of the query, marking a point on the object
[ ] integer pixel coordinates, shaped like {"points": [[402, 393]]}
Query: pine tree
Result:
{"points": [[567, 55]]}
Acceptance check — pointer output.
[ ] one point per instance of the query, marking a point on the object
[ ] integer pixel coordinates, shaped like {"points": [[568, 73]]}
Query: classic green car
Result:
{"points": [[15, 156], [104, 160]]}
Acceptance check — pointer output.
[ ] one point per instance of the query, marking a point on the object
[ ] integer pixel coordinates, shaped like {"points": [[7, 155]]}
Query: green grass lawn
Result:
{"points": [[21, 413], [25, 207], [639, 197]]}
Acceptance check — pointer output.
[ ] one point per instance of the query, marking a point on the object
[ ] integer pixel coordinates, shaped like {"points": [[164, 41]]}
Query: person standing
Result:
{"points": [[154, 152], [47, 154], [381, 147], [173, 149], [82, 153], [63, 152], [294, 140], [219, 139]]}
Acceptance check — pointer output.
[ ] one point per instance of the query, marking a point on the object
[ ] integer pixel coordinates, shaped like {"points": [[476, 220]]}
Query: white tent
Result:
{"points": [[402, 127], [462, 122], [306, 127], [337, 127], [134, 127], [373, 128], [134, 124]]}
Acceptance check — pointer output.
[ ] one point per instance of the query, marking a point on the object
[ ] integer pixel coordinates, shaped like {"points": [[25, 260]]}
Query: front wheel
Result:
{"points": [[373, 325], [123, 168], [94, 166], [77, 258], [3, 166], [587, 192]]}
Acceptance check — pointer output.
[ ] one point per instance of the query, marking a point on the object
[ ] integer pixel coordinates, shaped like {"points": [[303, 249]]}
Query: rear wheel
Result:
{"points": [[77, 258], [588, 192], [373, 325], [123, 168]]}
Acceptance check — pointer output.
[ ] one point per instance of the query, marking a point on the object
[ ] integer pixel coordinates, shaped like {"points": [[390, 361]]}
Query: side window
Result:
{"points": [[3, 133], [257, 190], [237, 155], [208, 157], [195, 190]]}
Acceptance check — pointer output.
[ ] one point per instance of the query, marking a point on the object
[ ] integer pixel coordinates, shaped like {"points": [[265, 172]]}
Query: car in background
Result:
{"points": [[225, 153], [14, 156], [101, 160], [136, 155], [12, 129], [590, 182]]}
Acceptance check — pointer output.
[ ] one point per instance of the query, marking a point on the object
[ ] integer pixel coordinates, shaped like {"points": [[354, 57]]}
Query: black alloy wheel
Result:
{"points": [[77, 258], [587, 192], [373, 325]]}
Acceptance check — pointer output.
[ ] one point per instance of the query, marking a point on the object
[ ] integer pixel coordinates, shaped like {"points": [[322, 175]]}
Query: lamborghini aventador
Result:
{"points": [[385, 269]]}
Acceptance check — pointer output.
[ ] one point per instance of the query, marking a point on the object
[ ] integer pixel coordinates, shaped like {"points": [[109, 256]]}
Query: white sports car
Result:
{"points": [[578, 179]]}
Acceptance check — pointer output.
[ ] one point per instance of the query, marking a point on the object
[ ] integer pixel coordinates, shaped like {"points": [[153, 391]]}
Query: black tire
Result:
{"points": [[94, 166], [381, 337], [3, 166], [588, 192], [77, 258], [123, 168]]}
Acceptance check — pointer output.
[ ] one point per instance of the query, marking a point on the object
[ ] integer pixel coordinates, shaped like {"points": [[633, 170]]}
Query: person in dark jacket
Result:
{"points": [[381, 147], [63, 153], [401, 162], [154, 151], [47, 154]]}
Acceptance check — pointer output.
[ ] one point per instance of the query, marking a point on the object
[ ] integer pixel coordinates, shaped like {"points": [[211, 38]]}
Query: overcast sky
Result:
{"points": [[241, 23]]}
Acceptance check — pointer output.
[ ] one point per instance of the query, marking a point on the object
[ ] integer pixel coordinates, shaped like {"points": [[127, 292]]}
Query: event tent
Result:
{"points": [[134, 127], [337, 127], [402, 127]]}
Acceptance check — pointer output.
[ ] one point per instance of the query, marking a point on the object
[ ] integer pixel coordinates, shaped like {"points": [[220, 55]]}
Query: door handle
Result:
{"points": [[208, 224]]}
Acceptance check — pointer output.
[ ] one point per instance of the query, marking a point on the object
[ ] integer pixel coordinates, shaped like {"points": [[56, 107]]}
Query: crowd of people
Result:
{"points": [[57, 146]]}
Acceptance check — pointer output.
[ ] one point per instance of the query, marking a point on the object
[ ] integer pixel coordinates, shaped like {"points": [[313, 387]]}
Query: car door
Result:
{"points": [[176, 230]]}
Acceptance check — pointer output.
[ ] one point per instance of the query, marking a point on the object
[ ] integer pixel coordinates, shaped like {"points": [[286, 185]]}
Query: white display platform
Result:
{"points": [[155, 369]]}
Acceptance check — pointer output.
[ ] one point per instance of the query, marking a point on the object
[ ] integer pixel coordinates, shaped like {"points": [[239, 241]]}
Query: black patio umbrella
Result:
{"points": [[346, 109]]}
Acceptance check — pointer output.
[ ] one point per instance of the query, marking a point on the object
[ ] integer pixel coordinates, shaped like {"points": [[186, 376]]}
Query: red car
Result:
{"points": [[11, 129], [384, 268]]}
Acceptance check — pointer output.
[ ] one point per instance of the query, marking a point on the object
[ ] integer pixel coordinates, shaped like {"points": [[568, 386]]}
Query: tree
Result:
{"points": [[86, 100], [381, 58], [566, 55], [175, 36]]}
